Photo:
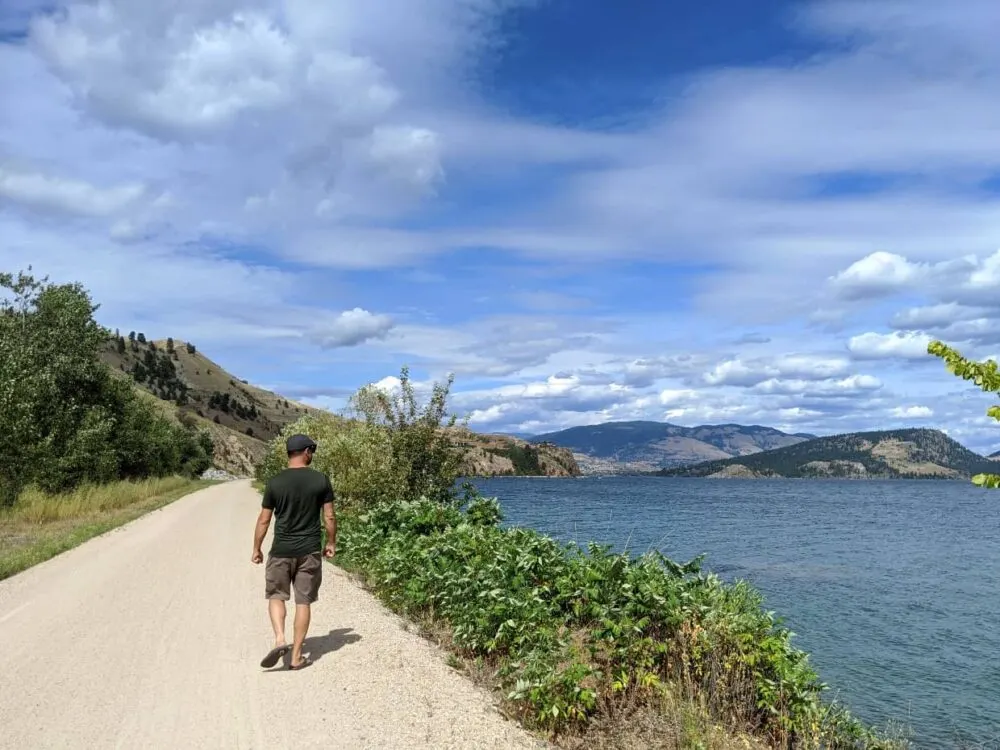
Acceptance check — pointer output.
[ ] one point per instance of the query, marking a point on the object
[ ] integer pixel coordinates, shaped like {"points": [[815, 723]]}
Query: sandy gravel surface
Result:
{"points": [[151, 637]]}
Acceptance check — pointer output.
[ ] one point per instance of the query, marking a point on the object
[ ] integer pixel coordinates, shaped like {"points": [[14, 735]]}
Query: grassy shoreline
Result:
{"points": [[594, 649], [40, 526]]}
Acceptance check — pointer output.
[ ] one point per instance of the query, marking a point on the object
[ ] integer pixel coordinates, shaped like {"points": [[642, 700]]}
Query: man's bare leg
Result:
{"points": [[276, 609], [303, 613]]}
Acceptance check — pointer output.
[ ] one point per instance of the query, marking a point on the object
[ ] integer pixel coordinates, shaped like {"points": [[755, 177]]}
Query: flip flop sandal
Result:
{"points": [[274, 655], [306, 661]]}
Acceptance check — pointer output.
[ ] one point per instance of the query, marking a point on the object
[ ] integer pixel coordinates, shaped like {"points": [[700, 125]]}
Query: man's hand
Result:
{"points": [[330, 551], [257, 557]]}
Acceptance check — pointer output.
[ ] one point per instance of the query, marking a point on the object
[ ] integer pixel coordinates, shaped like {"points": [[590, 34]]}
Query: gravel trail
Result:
{"points": [[151, 637]]}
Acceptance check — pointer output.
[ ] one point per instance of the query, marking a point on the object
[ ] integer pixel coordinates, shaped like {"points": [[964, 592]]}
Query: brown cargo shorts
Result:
{"points": [[303, 574]]}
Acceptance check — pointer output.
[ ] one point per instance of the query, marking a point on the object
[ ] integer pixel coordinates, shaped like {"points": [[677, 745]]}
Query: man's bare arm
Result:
{"points": [[330, 521], [259, 532]]}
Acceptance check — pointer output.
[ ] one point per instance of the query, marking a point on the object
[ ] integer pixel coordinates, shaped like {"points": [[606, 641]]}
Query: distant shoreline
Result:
{"points": [[653, 475]]}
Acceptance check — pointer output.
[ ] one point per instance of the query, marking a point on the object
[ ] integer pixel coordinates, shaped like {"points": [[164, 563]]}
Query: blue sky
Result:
{"points": [[696, 212]]}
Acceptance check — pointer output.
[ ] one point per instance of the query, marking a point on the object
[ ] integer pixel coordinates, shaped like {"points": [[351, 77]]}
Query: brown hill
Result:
{"points": [[176, 371], [188, 386]]}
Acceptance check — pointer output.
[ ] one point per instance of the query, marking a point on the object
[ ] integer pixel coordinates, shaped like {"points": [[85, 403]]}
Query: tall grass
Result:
{"points": [[42, 525], [36, 507]]}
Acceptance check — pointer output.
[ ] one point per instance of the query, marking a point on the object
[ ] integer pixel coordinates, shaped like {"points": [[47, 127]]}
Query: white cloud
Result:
{"points": [[876, 274], [848, 386], [352, 327], [896, 345], [754, 371], [673, 397], [913, 412], [185, 75], [40, 191], [932, 316]]}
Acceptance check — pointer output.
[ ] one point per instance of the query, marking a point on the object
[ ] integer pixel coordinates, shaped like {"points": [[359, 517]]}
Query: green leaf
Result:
{"points": [[991, 481]]}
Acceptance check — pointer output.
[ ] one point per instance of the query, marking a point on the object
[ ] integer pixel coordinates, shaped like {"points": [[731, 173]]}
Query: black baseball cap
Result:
{"points": [[297, 443]]}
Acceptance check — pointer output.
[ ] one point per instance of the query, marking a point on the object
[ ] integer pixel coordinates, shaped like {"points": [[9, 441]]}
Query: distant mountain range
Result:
{"points": [[889, 454], [616, 447]]}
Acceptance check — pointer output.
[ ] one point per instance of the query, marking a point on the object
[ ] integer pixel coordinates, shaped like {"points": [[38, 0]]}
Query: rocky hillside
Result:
{"points": [[615, 447], [176, 371], [188, 386], [503, 455], [891, 454]]}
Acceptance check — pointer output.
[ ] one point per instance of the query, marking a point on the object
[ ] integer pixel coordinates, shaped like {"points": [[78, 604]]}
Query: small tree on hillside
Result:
{"points": [[985, 375], [141, 338]]}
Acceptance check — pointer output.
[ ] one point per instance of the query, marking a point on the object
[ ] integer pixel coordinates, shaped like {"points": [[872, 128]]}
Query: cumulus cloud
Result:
{"points": [[849, 386], [913, 412], [352, 327], [182, 75], [754, 371], [964, 280], [196, 68], [896, 345], [876, 275]]}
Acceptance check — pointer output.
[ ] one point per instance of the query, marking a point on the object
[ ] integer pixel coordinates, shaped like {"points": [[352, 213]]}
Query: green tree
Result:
{"points": [[141, 338], [64, 419], [170, 345], [423, 453], [387, 446], [985, 375]]}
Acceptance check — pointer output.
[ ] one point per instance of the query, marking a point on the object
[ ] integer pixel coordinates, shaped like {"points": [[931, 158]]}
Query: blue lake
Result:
{"points": [[893, 587]]}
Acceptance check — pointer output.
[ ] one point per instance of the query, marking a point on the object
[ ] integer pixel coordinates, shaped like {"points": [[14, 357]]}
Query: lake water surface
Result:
{"points": [[893, 587]]}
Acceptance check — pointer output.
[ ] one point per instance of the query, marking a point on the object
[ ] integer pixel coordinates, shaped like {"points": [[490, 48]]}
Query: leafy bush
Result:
{"points": [[64, 420], [388, 446], [574, 634]]}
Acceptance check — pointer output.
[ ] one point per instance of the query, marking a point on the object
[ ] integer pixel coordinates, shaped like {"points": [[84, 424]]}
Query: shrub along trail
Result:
{"points": [[151, 636]]}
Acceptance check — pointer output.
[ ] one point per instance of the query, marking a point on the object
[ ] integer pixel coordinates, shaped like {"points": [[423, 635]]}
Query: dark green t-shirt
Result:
{"points": [[297, 497]]}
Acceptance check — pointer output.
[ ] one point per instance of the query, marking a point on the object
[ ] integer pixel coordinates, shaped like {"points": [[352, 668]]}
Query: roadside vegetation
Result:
{"points": [[65, 420], [39, 526], [594, 649]]}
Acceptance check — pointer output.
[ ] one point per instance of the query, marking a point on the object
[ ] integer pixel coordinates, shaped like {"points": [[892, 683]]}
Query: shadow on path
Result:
{"points": [[317, 646]]}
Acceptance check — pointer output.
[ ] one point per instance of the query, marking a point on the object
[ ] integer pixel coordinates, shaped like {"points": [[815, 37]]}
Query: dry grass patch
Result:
{"points": [[40, 526]]}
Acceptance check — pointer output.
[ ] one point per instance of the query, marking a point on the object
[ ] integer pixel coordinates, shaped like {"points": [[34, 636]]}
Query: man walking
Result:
{"points": [[295, 497]]}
